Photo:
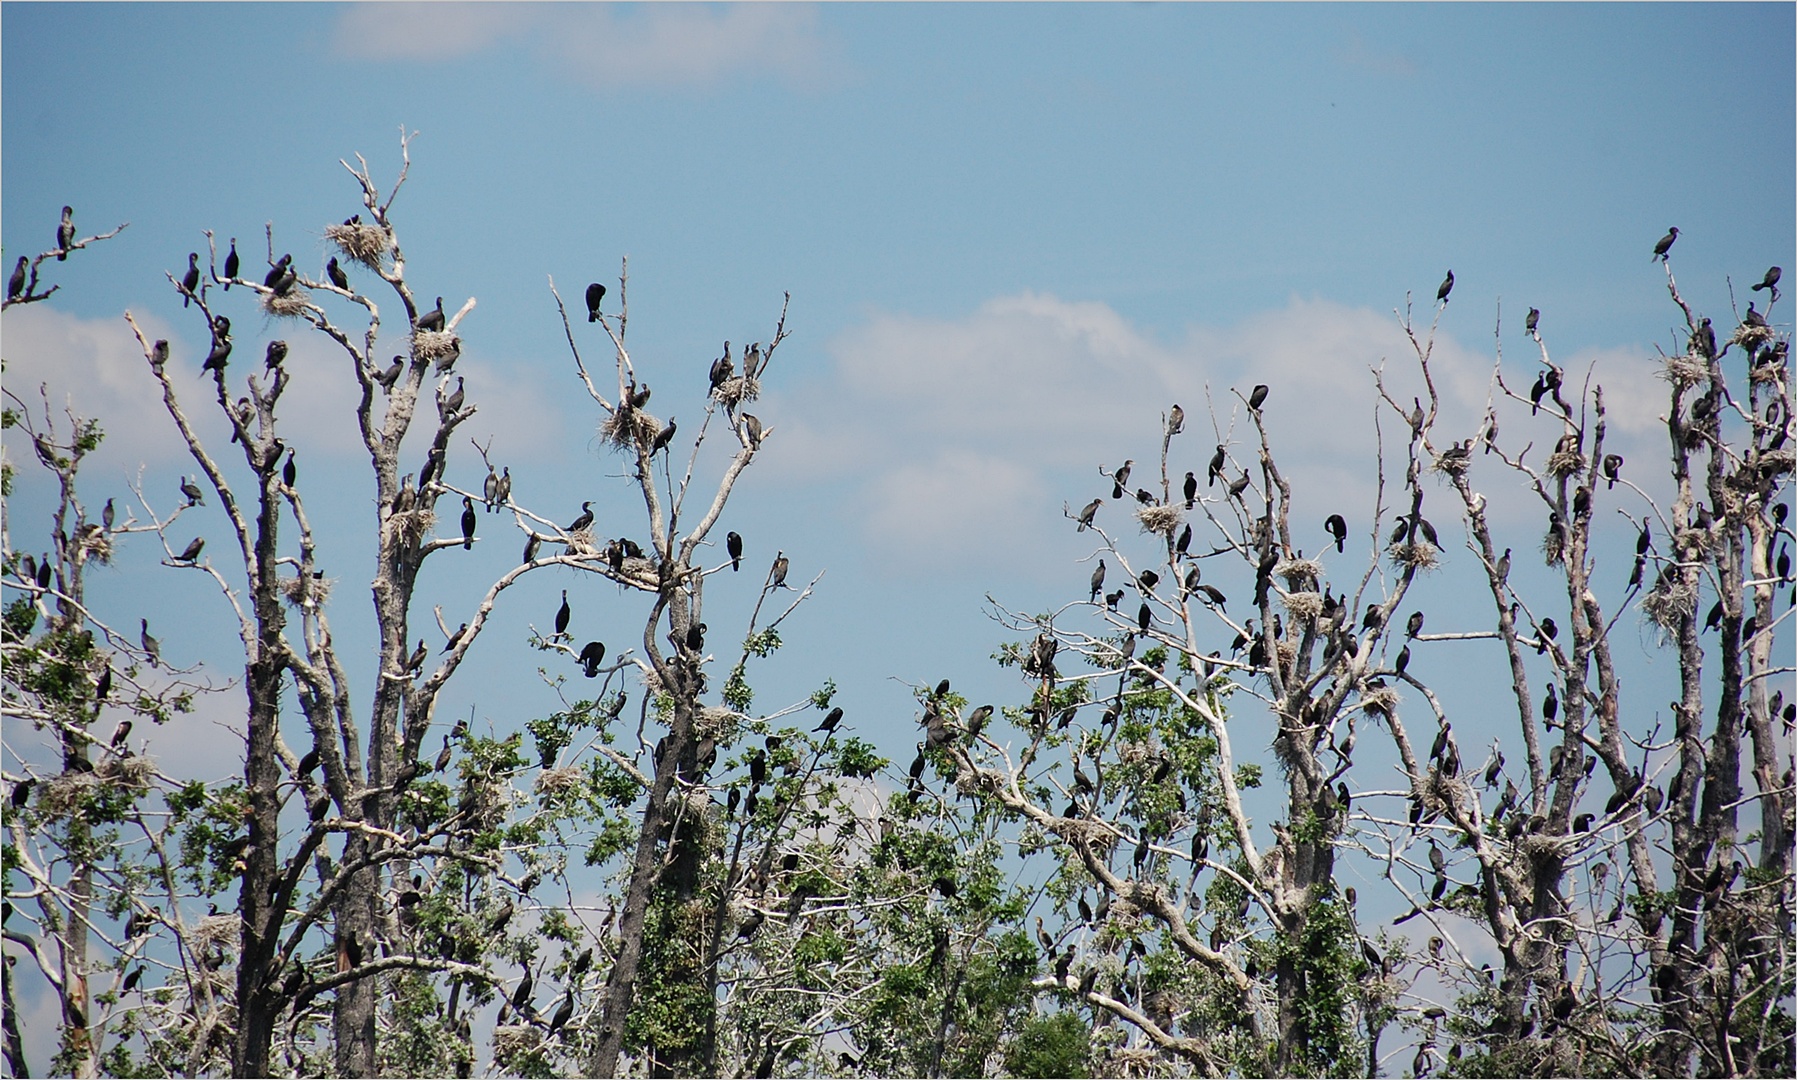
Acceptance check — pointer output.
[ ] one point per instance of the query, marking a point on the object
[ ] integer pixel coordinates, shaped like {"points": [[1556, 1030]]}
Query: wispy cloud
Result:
{"points": [[959, 441], [604, 45]]}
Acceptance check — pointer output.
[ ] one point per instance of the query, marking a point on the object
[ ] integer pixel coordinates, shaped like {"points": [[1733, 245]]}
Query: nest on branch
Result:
{"points": [[1161, 518], [288, 305], [1298, 571], [1670, 603], [1685, 369], [733, 392], [1303, 605], [1418, 553], [1565, 462], [367, 244], [627, 427], [434, 345], [557, 781], [510, 1040], [1379, 702], [300, 589], [1752, 338], [220, 930], [414, 525]]}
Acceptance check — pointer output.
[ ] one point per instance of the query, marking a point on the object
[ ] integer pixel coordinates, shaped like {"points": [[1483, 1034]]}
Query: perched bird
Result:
{"points": [[453, 403], [1665, 245], [1533, 321], [419, 655], [779, 571], [1447, 286], [433, 319], [752, 431], [584, 521], [1338, 528], [277, 352], [592, 654], [1184, 544], [489, 488], [335, 272], [104, 686], [191, 491], [190, 281], [1258, 396], [562, 615], [121, 733], [1753, 318], [1120, 478], [1086, 515], [290, 471], [830, 721], [733, 543], [752, 361], [232, 264], [15, 286], [1097, 579], [1770, 281], [1612, 468], [1503, 565], [151, 646], [65, 233], [1236, 487], [502, 492], [1176, 420], [389, 377], [192, 551], [1191, 489], [468, 523], [595, 293], [456, 638], [1216, 466], [662, 438], [221, 346], [563, 1013], [277, 270]]}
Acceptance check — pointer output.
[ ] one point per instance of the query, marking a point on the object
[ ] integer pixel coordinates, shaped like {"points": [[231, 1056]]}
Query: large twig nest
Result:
{"points": [[289, 305], [557, 781], [1752, 338], [131, 771], [1418, 553], [580, 542], [1553, 547], [300, 589], [415, 524], [1160, 518], [1298, 571], [1565, 462], [510, 1040], [1303, 605], [366, 244], [1670, 603], [627, 427], [94, 544], [434, 345], [1685, 369], [733, 392], [1694, 543], [1379, 702], [218, 930]]}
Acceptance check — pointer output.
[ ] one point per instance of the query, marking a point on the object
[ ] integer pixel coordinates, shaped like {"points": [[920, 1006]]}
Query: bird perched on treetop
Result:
{"points": [[1534, 320], [1120, 478], [335, 272], [595, 293], [193, 550], [277, 352], [585, 519], [232, 264], [192, 493], [733, 543], [1770, 281], [16, 285], [662, 438], [221, 345], [1258, 396], [1665, 245], [1447, 286], [65, 233], [1176, 420], [780, 567], [1086, 515]]}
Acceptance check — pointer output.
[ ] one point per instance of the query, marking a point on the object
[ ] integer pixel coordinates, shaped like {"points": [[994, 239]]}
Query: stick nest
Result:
{"points": [[714, 721], [367, 244], [1452, 463], [1553, 547], [414, 525], [1297, 572], [290, 306], [580, 542], [218, 930], [434, 344], [559, 781], [1160, 518], [1685, 369], [733, 392], [1418, 553], [510, 1040], [131, 770], [1304, 605], [1381, 701], [1693, 543], [1669, 604], [300, 589], [94, 544], [1752, 338], [627, 427], [1565, 462]]}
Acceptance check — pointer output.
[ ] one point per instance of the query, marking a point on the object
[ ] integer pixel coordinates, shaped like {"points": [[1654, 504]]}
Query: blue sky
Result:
{"points": [[1013, 234]]}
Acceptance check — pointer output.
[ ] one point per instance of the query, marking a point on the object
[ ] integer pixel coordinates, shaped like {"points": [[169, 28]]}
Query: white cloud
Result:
{"points": [[961, 439], [603, 45]]}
